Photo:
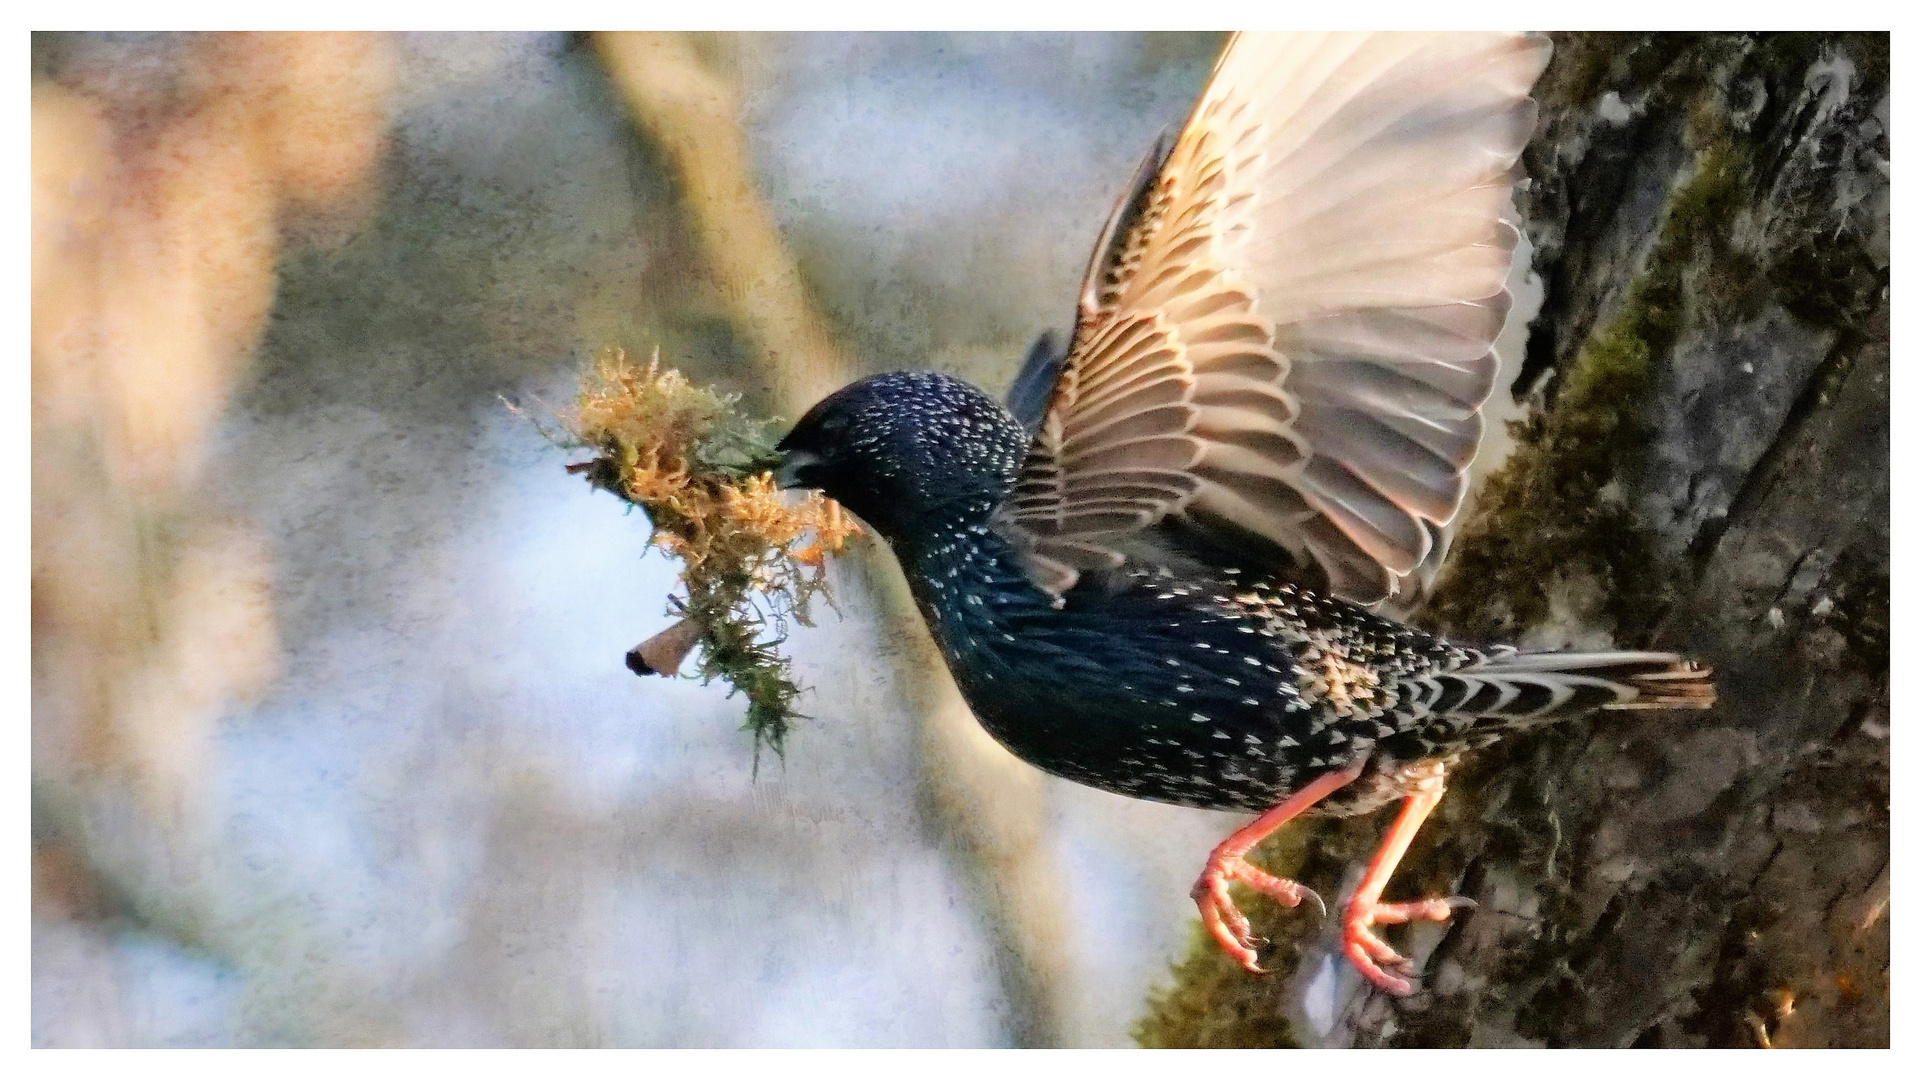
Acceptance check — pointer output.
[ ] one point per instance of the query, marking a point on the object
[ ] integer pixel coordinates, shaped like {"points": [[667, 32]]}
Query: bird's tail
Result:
{"points": [[1525, 687]]}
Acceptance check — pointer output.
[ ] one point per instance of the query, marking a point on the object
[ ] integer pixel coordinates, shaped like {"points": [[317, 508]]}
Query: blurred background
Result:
{"points": [[332, 741]]}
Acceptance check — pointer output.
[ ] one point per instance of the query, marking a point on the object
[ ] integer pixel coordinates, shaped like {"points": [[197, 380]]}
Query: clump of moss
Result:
{"points": [[1549, 511], [1213, 1002], [751, 561]]}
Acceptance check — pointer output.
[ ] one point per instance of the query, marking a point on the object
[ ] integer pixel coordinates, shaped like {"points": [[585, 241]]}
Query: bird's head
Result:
{"points": [[911, 452]]}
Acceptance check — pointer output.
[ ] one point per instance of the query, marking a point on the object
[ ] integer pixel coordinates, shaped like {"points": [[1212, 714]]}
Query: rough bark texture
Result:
{"points": [[1706, 470]]}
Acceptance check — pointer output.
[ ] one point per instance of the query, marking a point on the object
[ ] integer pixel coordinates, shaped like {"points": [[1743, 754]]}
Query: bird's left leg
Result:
{"points": [[1228, 862], [1364, 949]]}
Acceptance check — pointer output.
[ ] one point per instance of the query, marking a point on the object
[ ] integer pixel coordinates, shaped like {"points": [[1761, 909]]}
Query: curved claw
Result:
{"points": [[1225, 923], [1371, 956], [1373, 973]]}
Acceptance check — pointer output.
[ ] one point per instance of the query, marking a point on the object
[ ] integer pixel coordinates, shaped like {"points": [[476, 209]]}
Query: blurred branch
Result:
{"points": [[985, 802], [694, 117], [157, 212], [166, 172]]}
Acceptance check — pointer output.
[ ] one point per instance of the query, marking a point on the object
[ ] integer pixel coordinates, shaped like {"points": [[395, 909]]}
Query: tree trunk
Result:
{"points": [[1706, 470]]}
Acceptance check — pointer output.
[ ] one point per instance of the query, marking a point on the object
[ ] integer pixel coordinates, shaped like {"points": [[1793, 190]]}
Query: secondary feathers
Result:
{"points": [[1284, 334]]}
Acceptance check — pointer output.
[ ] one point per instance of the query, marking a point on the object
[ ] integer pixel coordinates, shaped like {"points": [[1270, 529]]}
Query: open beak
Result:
{"points": [[791, 464]]}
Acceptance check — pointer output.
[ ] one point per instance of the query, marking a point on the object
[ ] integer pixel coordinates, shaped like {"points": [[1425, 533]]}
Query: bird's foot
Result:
{"points": [[1371, 956], [1225, 922]]}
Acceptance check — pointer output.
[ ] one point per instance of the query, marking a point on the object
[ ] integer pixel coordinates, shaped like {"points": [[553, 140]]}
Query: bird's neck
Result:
{"points": [[940, 530], [964, 576]]}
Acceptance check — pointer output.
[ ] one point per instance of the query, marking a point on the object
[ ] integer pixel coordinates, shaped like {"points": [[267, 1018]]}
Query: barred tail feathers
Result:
{"points": [[1524, 687]]}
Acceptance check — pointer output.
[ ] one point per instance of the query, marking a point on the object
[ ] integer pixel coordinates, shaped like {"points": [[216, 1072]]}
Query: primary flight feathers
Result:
{"points": [[1285, 331]]}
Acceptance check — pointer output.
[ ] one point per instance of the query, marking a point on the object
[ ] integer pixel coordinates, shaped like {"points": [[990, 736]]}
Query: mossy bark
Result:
{"points": [[1706, 470]]}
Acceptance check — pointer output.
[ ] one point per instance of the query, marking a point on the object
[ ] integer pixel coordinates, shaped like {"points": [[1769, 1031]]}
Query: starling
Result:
{"points": [[1154, 571]]}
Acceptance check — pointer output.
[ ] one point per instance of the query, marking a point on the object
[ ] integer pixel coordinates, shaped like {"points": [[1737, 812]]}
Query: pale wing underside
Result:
{"points": [[1285, 332]]}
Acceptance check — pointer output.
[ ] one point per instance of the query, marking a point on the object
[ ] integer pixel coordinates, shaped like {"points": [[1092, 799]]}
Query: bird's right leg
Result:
{"points": [[1228, 862], [1371, 956]]}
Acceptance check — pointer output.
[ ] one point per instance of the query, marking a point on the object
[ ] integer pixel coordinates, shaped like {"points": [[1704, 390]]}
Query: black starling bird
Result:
{"points": [[1151, 571]]}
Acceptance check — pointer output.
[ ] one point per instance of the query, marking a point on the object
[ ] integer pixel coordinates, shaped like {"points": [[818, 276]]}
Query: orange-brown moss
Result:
{"points": [[702, 471]]}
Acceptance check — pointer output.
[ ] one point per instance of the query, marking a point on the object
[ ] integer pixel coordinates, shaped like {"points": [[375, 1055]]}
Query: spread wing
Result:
{"points": [[1284, 334]]}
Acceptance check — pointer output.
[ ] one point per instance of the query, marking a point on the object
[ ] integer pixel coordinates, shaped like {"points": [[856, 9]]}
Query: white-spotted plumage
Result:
{"points": [[1150, 576]]}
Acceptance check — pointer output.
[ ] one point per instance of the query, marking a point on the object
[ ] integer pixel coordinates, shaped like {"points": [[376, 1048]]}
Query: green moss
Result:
{"points": [[1214, 1003], [1550, 513]]}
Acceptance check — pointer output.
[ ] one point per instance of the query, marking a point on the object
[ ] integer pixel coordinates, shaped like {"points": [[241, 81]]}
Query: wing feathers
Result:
{"points": [[1287, 325], [1408, 473]]}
